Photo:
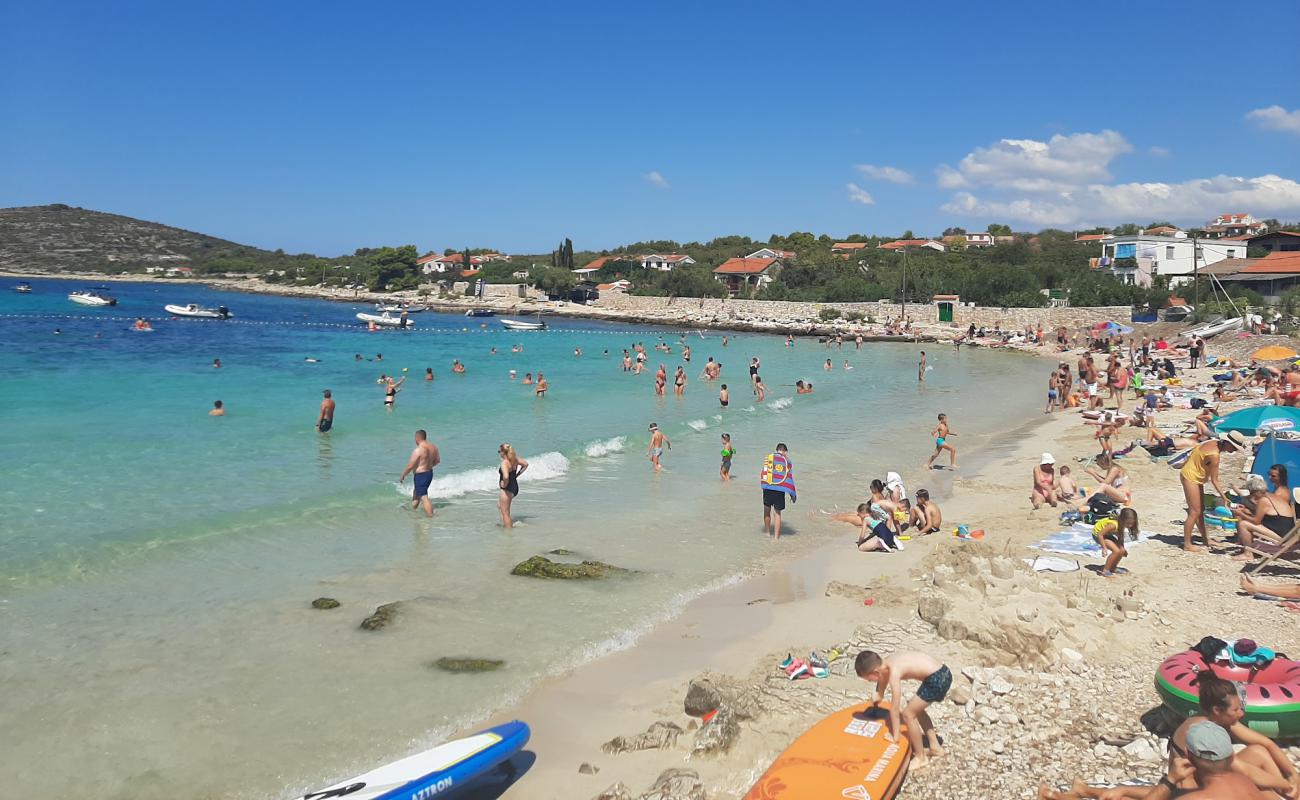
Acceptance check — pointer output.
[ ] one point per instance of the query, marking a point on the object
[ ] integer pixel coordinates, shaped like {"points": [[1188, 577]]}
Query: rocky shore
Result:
{"points": [[1055, 671]]}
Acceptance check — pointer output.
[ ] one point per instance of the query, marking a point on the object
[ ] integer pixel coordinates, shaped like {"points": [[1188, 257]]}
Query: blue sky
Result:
{"points": [[326, 126]]}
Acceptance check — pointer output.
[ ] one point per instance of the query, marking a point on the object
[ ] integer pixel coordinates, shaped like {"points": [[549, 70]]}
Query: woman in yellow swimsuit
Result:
{"points": [[1203, 465]]}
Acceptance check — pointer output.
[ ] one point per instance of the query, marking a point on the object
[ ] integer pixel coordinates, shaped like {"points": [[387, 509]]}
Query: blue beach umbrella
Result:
{"points": [[1260, 420], [1113, 329]]}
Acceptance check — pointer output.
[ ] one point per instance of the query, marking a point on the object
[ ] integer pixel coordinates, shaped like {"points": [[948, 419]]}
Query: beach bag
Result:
{"points": [[1198, 402]]}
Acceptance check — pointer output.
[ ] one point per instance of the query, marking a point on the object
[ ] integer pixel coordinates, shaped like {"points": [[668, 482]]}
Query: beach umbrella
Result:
{"points": [[1259, 420], [1274, 352], [1112, 328]]}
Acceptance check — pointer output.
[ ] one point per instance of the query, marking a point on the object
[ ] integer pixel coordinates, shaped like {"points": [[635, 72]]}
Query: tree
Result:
{"points": [[908, 235], [395, 266], [998, 230], [954, 231]]}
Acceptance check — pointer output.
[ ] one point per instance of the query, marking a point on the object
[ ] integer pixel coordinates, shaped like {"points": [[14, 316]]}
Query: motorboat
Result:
{"points": [[92, 297], [24, 287], [1176, 313], [1213, 328], [518, 325], [196, 311], [480, 312], [386, 320], [397, 309]]}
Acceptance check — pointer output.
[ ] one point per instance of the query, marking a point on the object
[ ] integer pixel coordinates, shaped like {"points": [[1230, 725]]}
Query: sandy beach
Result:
{"points": [[1054, 671]]}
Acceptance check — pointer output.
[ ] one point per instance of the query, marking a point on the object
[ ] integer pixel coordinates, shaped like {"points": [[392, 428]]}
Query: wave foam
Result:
{"points": [[458, 484], [780, 403], [697, 424], [598, 449]]}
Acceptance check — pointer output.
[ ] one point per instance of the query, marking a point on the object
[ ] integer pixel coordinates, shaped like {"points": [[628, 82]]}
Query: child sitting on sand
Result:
{"points": [[890, 672], [1109, 533], [1066, 489]]}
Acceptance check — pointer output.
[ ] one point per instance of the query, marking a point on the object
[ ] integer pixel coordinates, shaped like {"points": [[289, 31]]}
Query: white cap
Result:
{"points": [[1046, 459]]}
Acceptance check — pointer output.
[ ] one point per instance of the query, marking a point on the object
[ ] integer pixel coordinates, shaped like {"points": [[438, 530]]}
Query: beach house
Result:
{"points": [[1138, 258], [435, 264], [914, 244], [665, 263], [979, 240], [846, 249], [1227, 225], [747, 275]]}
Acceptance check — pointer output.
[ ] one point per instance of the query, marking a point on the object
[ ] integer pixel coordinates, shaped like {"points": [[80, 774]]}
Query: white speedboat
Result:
{"points": [[518, 325], [92, 298], [196, 311], [480, 312], [24, 287], [1213, 328], [386, 320], [397, 309]]}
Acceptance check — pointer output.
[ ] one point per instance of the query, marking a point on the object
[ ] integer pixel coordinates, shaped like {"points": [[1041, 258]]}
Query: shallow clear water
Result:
{"points": [[157, 564]]}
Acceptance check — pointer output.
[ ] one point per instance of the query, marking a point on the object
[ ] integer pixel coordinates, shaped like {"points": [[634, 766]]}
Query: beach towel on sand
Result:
{"points": [[778, 474], [1077, 540]]}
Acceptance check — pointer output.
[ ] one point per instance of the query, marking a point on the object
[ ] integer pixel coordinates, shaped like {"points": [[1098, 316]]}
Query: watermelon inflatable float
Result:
{"points": [[1272, 702]]}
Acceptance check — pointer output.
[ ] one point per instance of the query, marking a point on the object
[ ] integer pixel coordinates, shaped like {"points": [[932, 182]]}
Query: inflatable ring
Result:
{"points": [[1272, 701]]}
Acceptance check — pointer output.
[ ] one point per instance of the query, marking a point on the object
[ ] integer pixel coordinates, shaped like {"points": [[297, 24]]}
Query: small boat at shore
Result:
{"points": [[386, 320], [397, 308], [93, 298], [196, 311], [480, 312], [23, 287], [519, 325], [1214, 328]]}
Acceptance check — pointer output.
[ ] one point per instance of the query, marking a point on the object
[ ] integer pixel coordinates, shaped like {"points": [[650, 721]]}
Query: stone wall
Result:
{"points": [[783, 311]]}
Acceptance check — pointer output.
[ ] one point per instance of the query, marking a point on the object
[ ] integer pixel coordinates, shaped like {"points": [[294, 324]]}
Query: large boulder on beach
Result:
{"points": [[384, 616], [468, 664], [717, 735], [701, 698], [543, 567]]}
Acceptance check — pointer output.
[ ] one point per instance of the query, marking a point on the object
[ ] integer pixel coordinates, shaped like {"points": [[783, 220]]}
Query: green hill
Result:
{"points": [[60, 238]]}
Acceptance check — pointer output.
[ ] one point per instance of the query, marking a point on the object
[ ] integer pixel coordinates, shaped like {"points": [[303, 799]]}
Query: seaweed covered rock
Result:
{"points": [[466, 664], [384, 616], [325, 603], [543, 567]]}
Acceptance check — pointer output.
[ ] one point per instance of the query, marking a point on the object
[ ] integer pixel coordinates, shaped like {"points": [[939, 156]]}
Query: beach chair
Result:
{"points": [[1285, 548]]}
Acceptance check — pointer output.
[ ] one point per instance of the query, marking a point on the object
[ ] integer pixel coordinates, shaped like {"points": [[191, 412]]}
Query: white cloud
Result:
{"points": [[891, 174], [1276, 118], [1059, 164], [1191, 202], [859, 195], [1158, 151], [655, 179]]}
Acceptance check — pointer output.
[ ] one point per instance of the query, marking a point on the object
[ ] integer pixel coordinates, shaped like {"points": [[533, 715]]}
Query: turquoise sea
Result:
{"points": [[157, 564]]}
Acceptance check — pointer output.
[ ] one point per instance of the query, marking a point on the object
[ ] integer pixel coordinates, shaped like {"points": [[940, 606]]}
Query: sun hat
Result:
{"points": [[1233, 439], [1209, 741], [1046, 459]]}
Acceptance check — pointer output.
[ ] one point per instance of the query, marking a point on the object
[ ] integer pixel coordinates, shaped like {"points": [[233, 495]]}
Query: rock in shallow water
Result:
{"points": [[659, 736], [466, 664], [676, 784], [543, 567], [325, 603], [384, 616]]}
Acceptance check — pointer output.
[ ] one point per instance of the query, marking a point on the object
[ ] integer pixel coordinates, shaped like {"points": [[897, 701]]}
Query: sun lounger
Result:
{"points": [[1284, 548]]}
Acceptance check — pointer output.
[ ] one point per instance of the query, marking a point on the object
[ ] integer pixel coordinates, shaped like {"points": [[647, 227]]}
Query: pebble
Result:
{"points": [[1000, 686]]}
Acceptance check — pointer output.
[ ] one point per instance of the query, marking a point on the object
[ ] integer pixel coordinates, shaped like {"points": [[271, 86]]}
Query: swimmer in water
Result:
{"points": [[216, 362], [423, 459], [760, 391], [513, 374], [391, 388], [218, 410], [827, 366], [728, 451], [542, 385], [657, 443], [428, 373], [457, 367], [847, 365], [577, 352], [528, 379], [379, 356], [325, 420], [724, 396], [920, 369]]}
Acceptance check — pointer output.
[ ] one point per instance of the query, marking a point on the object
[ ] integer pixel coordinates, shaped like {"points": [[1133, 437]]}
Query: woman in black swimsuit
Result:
{"points": [[512, 466], [1274, 514]]}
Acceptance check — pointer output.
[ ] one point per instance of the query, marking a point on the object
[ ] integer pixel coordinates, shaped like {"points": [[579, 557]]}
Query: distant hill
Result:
{"points": [[60, 238]]}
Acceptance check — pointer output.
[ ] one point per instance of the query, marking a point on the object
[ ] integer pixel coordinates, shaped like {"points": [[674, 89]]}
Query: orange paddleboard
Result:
{"points": [[845, 755]]}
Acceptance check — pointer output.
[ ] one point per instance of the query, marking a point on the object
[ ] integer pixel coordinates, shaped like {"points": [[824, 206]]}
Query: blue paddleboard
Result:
{"points": [[434, 773]]}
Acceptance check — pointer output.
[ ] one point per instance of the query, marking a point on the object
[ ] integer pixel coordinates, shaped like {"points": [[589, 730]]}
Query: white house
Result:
{"points": [[1234, 225], [665, 263], [434, 263], [767, 252], [1138, 258], [979, 240]]}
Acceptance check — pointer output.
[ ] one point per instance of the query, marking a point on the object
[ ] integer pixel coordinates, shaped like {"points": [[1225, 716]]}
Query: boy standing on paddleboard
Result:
{"points": [[890, 672]]}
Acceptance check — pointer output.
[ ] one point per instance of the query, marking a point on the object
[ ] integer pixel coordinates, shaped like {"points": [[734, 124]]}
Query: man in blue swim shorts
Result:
{"points": [[423, 459]]}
